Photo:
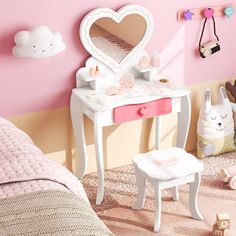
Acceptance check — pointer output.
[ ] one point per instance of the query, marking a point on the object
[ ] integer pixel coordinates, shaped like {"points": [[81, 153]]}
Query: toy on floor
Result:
{"points": [[215, 127], [221, 225], [229, 176]]}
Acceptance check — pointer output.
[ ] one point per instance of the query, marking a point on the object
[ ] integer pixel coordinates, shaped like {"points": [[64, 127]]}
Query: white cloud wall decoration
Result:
{"points": [[38, 42]]}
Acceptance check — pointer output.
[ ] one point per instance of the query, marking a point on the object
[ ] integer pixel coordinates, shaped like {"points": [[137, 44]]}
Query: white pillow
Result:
{"points": [[215, 127]]}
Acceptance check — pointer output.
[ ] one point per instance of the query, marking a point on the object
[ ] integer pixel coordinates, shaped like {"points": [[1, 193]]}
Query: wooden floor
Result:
{"points": [[120, 194]]}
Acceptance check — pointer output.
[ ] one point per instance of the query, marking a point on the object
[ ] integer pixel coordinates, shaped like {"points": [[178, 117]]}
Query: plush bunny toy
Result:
{"points": [[215, 127]]}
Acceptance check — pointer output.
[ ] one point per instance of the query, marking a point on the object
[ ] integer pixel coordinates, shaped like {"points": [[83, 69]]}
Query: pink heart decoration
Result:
{"points": [[208, 13]]}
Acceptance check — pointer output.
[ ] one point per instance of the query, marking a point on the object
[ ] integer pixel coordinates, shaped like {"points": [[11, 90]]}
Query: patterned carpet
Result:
{"points": [[120, 194]]}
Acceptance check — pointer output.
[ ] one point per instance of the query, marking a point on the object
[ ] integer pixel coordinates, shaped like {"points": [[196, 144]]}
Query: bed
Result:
{"points": [[39, 196]]}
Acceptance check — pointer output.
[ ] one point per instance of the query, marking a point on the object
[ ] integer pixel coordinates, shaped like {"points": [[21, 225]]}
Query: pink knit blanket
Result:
{"points": [[24, 168]]}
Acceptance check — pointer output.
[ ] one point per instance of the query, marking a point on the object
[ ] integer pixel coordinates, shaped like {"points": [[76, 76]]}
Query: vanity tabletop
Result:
{"points": [[143, 91]]}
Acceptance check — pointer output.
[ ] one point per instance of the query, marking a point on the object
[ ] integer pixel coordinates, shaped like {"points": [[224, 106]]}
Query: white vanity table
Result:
{"points": [[148, 98]]}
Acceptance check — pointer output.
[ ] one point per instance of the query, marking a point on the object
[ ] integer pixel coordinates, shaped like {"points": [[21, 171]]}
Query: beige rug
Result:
{"points": [[120, 193]]}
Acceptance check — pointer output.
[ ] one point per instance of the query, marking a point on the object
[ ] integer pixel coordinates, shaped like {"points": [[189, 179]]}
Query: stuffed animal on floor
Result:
{"points": [[215, 127], [229, 176]]}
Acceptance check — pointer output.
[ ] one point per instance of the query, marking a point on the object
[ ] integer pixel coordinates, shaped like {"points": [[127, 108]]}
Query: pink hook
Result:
{"points": [[208, 13]]}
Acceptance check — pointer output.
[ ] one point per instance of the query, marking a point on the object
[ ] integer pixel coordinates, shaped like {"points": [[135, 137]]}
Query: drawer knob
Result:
{"points": [[143, 111]]}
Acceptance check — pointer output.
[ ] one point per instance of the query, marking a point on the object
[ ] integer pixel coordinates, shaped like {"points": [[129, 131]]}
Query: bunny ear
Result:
{"points": [[222, 98], [207, 98]]}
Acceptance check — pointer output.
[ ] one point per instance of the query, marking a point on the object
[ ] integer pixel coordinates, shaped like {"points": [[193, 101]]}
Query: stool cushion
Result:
{"points": [[167, 163]]}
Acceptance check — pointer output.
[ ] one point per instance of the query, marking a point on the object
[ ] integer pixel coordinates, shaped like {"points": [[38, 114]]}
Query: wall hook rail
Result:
{"points": [[205, 12]]}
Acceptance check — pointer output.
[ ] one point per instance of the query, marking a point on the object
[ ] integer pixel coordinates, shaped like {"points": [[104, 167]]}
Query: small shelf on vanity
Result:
{"points": [[96, 81], [87, 77], [148, 69], [149, 73]]}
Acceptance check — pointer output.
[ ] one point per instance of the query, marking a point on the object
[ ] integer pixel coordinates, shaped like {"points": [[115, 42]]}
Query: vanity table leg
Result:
{"points": [[183, 121], [158, 133], [98, 140], [77, 118]]}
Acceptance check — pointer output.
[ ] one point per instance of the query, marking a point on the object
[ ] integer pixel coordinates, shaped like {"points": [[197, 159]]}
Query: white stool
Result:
{"points": [[168, 168]]}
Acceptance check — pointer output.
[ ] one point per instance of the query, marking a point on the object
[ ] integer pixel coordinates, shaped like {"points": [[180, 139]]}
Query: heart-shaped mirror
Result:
{"points": [[115, 38]]}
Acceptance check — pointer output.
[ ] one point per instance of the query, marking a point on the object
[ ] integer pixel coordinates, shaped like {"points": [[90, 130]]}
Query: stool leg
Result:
{"points": [[158, 208], [141, 185], [193, 191], [175, 193]]}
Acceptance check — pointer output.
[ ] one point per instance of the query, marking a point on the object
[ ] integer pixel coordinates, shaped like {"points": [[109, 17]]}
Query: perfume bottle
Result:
{"points": [[97, 72], [94, 71], [155, 60]]}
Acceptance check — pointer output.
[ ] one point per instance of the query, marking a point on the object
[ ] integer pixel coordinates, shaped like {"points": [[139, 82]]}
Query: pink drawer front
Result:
{"points": [[143, 110]]}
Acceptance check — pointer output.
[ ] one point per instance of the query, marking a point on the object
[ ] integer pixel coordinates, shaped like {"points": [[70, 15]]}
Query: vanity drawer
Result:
{"points": [[143, 110]]}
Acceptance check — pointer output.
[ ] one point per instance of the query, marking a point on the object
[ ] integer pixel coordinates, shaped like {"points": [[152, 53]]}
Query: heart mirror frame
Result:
{"points": [[118, 16]]}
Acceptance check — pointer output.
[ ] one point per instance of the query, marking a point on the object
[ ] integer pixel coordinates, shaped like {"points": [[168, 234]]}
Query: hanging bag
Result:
{"points": [[211, 47]]}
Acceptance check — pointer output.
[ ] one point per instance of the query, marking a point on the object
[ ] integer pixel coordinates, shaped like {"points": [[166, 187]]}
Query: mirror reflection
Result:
{"points": [[116, 40]]}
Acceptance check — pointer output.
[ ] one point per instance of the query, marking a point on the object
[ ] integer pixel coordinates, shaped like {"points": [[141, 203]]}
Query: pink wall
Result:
{"points": [[28, 85]]}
